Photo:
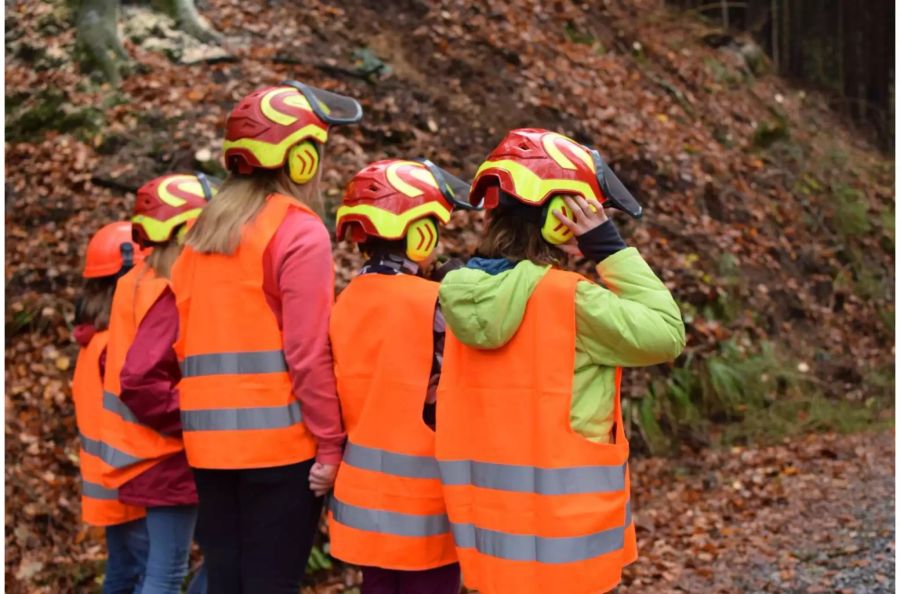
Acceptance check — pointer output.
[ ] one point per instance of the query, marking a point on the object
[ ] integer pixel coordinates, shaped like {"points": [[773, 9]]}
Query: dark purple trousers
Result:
{"points": [[440, 580]]}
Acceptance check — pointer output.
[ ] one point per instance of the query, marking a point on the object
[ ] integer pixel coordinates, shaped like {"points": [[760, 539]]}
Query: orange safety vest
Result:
{"points": [[238, 408], [534, 507], [130, 448], [388, 509], [99, 506]]}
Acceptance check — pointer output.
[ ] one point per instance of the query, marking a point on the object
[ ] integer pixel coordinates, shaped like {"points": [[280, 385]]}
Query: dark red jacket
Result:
{"points": [[148, 387]]}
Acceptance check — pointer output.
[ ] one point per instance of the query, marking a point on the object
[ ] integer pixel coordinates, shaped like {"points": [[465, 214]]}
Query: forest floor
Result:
{"points": [[812, 514]]}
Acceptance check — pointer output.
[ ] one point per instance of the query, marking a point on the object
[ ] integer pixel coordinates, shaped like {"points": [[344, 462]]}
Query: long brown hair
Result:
{"points": [[516, 237], [163, 256], [96, 301], [238, 201]]}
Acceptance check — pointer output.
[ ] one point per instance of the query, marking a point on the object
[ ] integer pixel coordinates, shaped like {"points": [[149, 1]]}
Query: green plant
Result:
{"points": [[730, 386], [319, 559], [850, 215], [722, 73], [648, 425], [768, 133], [574, 35]]}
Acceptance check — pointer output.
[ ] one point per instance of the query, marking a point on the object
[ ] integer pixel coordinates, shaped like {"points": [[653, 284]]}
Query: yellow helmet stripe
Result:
{"points": [[185, 183], [552, 147], [158, 230], [295, 100], [530, 187], [420, 172], [392, 226], [272, 155]]}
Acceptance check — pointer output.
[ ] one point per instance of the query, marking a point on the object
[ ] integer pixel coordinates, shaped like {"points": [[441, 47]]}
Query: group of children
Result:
{"points": [[467, 422]]}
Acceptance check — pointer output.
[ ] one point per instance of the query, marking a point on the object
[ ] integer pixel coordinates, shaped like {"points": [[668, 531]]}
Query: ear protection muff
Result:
{"points": [[553, 230], [303, 161], [421, 239]]}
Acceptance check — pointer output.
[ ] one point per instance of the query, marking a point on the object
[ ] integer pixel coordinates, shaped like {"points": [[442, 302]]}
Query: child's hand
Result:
{"points": [[586, 218], [321, 478]]}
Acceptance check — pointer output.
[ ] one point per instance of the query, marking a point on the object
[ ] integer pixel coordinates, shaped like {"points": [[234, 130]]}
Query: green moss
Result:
{"points": [[30, 118]]}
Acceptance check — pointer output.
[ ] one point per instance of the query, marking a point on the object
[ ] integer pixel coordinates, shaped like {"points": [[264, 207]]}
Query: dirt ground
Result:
{"points": [[810, 515]]}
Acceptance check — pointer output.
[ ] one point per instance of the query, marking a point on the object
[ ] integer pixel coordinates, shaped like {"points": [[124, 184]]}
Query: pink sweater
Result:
{"points": [[298, 280]]}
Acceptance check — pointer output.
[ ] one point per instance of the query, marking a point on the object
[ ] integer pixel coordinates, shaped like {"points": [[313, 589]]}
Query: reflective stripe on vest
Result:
{"points": [[386, 522], [241, 419], [388, 508], [238, 407], [405, 465], [234, 363], [107, 453], [100, 506], [541, 549], [530, 479], [89, 489], [114, 404]]}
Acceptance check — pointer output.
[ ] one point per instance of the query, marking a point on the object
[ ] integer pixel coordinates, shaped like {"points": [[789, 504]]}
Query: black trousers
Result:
{"points": [[256, 527]]}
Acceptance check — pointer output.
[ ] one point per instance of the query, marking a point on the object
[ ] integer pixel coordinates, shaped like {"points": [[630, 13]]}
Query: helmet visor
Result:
{"points": [[615, 192], [331, 108], [454, 189]]}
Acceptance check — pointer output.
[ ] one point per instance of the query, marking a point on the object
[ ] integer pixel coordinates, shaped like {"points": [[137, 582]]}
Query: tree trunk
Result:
{"points": [[775, 45], [188, 19], [98, 37]]}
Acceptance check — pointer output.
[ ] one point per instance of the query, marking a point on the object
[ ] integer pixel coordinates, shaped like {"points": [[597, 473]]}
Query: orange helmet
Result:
{"points": [[111, 251], [394, 198], [168, 202], [532, 165], [277, 125]]}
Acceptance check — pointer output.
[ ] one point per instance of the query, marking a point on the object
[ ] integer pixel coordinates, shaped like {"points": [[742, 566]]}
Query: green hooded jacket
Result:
{"points": [[633, 322]]}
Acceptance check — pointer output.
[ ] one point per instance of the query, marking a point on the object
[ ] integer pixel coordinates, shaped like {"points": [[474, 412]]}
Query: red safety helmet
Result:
{"points": [[395, 198], [166, 203], [268, 123], [111, 251], [532, 165]]}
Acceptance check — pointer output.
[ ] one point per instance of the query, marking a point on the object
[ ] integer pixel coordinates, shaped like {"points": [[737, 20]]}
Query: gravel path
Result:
{"points": [[810, 515]]}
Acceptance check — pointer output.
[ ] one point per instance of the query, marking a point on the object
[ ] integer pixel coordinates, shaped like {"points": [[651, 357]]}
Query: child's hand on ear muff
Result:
{"points": [[587, 215]]}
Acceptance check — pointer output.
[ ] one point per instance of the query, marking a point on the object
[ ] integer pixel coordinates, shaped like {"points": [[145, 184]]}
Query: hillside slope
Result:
{"points": [[772, 224]]}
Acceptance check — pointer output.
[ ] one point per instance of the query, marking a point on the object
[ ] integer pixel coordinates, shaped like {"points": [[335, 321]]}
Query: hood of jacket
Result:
{"points": [[484, 308]]}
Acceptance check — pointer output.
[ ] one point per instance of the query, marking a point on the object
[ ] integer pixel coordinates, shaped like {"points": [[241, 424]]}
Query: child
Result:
{"points": [[142, 423], [110, 254], [387, 513], [530, 440], [255, 285]]}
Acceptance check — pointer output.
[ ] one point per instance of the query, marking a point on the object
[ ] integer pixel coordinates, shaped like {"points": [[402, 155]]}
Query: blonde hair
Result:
{"points": [[238, 201], [163, 256]]}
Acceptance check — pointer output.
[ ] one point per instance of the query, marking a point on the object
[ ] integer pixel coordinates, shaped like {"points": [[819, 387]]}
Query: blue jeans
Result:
{"points": [[171, 530], [126, 562]]}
